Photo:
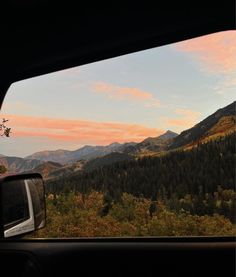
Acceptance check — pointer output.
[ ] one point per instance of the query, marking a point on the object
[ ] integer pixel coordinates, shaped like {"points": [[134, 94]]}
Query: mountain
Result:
{"points": [[225, 125], [16, 164], [90, 152], [111, 158], [193, 173], [60, 156], [64, 162], [85, 153], [153, 144], [220, 123], [168, 135], [46, 168], [158, 141], [50, 170], [126, 145]]}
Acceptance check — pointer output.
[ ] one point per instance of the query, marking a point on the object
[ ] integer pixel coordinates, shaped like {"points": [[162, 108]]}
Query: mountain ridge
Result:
{"points": [[195, 134], [152, 145], [220, 123], [17, 165], [86, 152]]}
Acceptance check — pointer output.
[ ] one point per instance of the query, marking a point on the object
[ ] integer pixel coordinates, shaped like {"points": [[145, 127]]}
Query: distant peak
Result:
{"points": [[170, 132], [114, 143], [168, 135]]}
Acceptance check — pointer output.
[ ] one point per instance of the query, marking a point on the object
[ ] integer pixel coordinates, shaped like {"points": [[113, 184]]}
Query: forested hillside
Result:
{"points": [[78, 215], [200, 181], [209, 127]]}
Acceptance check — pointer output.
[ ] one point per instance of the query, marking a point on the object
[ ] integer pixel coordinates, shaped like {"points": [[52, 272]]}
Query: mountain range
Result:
{"points": [[87, 152], [62, 162], [153, 145], [16, 164]]}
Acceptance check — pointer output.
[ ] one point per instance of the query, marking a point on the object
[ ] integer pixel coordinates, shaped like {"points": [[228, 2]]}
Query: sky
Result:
{"points": [[123, 99]]}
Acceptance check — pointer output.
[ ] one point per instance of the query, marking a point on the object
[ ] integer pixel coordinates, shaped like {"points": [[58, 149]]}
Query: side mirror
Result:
{"points": [[22, 204]]}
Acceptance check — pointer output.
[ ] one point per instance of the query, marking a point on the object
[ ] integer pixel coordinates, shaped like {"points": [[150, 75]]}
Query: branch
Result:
{"points": [[4, 130]]}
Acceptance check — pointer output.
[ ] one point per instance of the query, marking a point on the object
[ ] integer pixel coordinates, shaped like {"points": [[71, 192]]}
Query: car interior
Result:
{"points": [[40, 37]]}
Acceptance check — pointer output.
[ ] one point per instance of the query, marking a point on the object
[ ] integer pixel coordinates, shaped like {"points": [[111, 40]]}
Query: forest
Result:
{"points": [[78, 215], [196, 182]]}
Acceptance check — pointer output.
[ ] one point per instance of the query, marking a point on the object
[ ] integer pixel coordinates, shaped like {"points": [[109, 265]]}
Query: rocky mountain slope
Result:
{"points": [[16, 164], [220, 123]]}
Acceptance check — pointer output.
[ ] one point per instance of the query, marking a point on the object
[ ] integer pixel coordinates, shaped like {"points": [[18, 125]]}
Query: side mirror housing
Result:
{"points": [[22, 204]]}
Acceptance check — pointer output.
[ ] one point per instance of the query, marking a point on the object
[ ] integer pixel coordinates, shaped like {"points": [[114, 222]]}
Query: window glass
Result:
{"points": [[138, 145]]}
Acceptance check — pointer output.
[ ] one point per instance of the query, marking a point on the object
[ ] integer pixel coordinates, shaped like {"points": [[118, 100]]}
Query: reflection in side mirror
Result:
{"points": [[22, 204]]}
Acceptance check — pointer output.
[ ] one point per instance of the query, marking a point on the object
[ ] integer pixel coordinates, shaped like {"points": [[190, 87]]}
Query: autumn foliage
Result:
{"points": [[79, 215]]}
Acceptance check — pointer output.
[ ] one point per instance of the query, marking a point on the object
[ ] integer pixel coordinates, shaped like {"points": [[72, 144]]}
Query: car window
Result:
{"points": [[138, 145]]}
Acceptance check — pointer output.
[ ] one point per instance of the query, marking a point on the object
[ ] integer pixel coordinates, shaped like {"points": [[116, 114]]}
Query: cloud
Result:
{"points": [[125, 93], [185, 118], [228, 83], [78, 131], [216, 53]]}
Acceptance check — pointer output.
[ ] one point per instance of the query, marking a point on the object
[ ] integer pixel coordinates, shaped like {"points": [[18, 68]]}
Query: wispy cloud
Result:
{"points": [[78, 131], [216, 53], [228, 83], [125, 93], [185, 118]]}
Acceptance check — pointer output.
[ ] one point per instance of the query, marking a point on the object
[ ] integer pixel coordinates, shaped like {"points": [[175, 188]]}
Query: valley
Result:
{"points": [[172, 184]]}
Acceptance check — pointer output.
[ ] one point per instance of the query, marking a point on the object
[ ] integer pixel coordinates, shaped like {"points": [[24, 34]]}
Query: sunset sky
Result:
{"points": [[123, 99]]}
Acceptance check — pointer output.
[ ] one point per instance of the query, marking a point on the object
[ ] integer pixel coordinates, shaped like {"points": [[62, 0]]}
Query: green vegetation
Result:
{"points": [[80, 215], [200, 181], [182, 193], [186, 187]]}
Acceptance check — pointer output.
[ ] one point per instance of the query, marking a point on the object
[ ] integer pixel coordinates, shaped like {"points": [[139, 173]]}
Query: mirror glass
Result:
{"points": [[38, 200], [23, 205], [15, 203]]}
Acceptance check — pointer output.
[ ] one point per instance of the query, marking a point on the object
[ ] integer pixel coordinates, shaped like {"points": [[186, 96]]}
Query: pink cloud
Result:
{"points": [[78, 131], [125, 93], [216, 52], [187, 118]]}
